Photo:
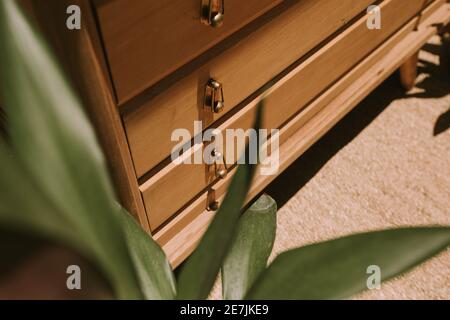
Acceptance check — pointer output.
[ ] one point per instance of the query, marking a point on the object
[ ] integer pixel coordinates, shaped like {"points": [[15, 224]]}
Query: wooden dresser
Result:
{"points": [[144, 67]]}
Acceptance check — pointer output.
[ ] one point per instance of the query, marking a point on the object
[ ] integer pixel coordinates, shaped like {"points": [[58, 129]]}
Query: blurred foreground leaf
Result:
{"points": [[252, 246], [337, 269], [54, 179], [154, 271], [199, 273]]}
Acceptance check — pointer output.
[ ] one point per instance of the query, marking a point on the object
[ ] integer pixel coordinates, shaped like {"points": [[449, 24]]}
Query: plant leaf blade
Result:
{"points": [[152, 267], [199, 273], [251, 249], [337, 269], [59, 155]]}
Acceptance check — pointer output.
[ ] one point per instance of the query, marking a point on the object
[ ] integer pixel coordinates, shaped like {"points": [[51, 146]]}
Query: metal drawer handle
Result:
{"points": [[214, 99], [213, 203], [213, 12], [214, 206], [219, 172]]}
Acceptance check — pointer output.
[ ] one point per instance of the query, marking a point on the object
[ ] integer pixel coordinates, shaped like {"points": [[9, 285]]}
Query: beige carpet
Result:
{"points": [[387, 164]]}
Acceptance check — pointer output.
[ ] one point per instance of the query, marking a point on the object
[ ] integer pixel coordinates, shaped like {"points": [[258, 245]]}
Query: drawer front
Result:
{"points": [[147, 40], [180, 236], [242, 69], [168, 190]]}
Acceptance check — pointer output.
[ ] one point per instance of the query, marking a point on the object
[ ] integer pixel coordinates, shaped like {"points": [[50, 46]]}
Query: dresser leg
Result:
{"points": [[445, 30], [408, 72]]}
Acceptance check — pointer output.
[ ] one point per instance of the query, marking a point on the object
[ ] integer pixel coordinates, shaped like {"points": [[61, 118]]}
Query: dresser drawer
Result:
{"points": [[173, 186], [146, 40], [242, 70], [181, 234]]}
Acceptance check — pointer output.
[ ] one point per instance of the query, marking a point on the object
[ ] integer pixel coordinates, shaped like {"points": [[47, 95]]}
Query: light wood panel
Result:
{"points": [[173, 186], [147, 40], [180, 236], [242, 69]]}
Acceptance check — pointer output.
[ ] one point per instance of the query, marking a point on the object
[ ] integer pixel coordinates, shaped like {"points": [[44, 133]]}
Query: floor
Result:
{"points": [[387, 164]]}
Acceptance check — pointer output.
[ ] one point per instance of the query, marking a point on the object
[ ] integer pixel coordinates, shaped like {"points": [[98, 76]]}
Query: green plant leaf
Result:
{"points": [[154, 271], [251, 249], [55, 169], [37, 217], [337, 269], [200, 271], [23, 206], [57, 148]]}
